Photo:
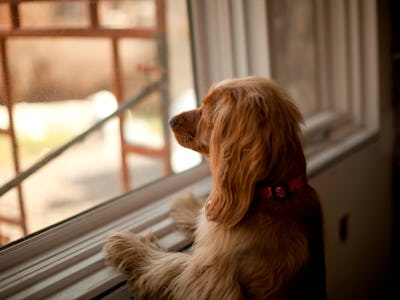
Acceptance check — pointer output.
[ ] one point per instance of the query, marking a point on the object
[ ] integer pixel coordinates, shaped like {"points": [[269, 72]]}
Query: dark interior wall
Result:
{"points": [[395, 60]]}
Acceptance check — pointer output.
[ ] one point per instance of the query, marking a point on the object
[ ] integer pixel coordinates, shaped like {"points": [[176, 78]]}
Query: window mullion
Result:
{"points": [[323, 67], [238, 24], [225, 38], [369, 63], [354, 61], [339, 59], [257, 38]]}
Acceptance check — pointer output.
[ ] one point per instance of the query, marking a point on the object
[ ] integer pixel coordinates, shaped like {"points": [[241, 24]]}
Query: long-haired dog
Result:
{"points": [[259, 233]]}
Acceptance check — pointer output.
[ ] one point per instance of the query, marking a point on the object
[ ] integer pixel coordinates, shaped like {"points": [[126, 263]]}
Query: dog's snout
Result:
{"points": [[173, 122]]}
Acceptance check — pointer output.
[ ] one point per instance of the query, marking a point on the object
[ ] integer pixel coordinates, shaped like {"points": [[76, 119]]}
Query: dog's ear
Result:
{"points": [[253, 127], [238, 153]]}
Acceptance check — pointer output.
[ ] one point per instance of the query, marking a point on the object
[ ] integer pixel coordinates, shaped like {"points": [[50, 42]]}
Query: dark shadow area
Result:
{"points": [[395, 57]]}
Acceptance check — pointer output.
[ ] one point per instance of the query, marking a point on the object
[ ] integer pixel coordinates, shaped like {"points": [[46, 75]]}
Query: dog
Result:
{"points": [[259, 234]]}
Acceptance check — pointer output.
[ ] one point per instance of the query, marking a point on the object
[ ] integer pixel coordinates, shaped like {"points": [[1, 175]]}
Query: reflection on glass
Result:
{"points": [[5, 20], [53, 14], [294, 50], [64, 85], [127, 13], [6, 162]]}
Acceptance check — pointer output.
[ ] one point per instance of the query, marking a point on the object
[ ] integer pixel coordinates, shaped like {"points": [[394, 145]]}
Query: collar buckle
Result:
{"points": [[282, 190]]}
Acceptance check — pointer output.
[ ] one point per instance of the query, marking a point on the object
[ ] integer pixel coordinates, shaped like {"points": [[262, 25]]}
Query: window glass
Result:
{"points": [[67, 82], [293, 47], [6, 159], [53, 14], [5, 20], [127, 13]]}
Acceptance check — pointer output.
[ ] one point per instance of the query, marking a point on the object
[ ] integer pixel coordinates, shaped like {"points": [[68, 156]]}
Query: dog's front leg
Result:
{"points": [[185, 211], [126, 252], [155, 273], [149, 269]]}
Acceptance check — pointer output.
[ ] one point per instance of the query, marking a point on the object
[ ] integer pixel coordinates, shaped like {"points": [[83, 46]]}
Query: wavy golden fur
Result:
{"points": [[245, 246]]}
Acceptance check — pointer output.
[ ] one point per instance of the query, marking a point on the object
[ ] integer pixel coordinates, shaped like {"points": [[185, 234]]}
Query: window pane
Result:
{"points": [[5, 20], [127, 13], [57, 69], [53, 14], [294, 50], [63, 85], [10, 210], [6, 163]]}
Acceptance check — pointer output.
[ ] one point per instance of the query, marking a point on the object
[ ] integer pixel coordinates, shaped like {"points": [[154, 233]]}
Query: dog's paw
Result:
{"points": [[125, 251], [184, 211], [151, 241]]}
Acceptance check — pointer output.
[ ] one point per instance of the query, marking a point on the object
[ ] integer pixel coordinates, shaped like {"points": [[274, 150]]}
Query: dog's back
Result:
{"points": [[285, 250]]}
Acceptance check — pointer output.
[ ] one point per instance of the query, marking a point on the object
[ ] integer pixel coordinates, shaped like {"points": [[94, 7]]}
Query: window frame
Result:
{"points": [[347, 65], [65, 261]]}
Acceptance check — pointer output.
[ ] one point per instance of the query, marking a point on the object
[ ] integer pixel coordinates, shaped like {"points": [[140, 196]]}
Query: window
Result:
{"points": [[337, 93], [319, 50], [85, 58]]}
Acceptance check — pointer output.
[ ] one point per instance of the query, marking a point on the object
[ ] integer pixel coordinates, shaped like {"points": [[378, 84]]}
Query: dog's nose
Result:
{"points": [[173, 122]]}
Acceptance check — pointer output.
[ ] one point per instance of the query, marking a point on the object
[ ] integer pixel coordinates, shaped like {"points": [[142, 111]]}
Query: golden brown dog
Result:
{"points": [[259, 234]]}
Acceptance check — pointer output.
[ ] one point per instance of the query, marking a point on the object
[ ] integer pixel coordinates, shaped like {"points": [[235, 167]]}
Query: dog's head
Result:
{"points": [[248, 128]]}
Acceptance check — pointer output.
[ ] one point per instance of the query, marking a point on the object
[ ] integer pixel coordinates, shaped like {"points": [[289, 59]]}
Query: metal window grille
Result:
{"points": [[94, 29]]}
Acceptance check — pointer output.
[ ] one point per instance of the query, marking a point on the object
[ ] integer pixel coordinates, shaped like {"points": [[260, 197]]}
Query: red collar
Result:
{"points": [[282, 190]]}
